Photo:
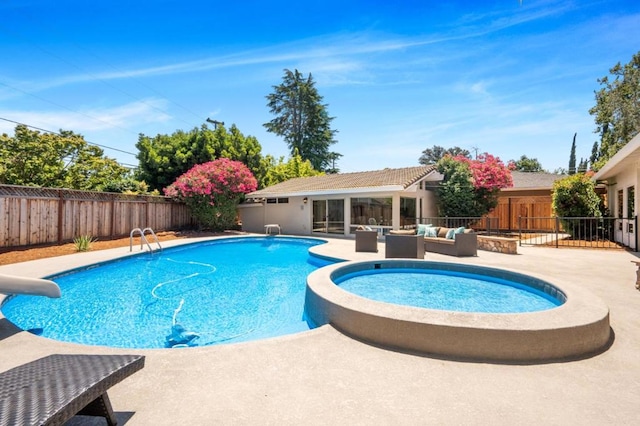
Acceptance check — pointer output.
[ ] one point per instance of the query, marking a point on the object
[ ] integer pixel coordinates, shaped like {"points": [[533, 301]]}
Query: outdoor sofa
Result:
{"points": [[53, 389], [438, 239], [450, 241]]}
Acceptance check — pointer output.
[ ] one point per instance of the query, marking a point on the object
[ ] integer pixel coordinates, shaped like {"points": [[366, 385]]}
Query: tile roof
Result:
{"points": [[533, 180], [341, 182]]}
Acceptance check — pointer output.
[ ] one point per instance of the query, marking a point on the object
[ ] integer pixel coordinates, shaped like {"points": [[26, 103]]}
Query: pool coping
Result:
{"points": [[578, 328]]}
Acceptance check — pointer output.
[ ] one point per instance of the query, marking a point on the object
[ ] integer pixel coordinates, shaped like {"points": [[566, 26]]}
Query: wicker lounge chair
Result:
{"points": [[53, 389]]}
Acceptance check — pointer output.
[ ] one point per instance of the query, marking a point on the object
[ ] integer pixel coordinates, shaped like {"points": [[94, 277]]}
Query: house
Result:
{"points": [[338, 203], [527, 204], [621, 175]]}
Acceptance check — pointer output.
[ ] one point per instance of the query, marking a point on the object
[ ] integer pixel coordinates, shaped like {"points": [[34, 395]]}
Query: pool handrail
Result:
{"points": [[143, 239]]}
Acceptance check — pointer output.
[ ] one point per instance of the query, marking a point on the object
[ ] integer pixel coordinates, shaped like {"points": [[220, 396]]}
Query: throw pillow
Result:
{"points": [[431, 232], [421, 229], [458, 231], [442, 232], [450, 234]]}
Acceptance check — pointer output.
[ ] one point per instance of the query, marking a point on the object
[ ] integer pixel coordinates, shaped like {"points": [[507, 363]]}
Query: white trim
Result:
{"points": [[339, 191], [632, 148]]}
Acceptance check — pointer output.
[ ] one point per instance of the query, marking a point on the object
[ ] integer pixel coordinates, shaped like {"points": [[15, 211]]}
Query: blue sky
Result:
{"points": [[496, 76]]}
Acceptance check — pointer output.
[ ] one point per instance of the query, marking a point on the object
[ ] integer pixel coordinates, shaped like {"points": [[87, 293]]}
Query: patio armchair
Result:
{"points": [[366, 240], [53, 389]]}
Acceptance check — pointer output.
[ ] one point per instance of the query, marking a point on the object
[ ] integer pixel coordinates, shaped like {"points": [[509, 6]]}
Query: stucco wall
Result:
{"points": [[293, 217], [630, 176]]}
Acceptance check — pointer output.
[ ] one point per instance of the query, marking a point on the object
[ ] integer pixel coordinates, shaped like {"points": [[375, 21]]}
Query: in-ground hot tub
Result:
{"points": [[578, 327]]}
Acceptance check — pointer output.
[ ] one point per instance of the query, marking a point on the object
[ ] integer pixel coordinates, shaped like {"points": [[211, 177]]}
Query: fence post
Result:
{"points": [[557, 231], [519, 230], [60, 215], [113, 215]]}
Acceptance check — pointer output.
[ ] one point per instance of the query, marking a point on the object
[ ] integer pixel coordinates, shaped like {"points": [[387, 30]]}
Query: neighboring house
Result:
{"points": [[527, 204], [339, 203], [621, 175]]}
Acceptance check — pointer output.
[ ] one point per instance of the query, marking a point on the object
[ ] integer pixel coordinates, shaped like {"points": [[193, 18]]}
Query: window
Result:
{"points": [[631, 202], [371, 211], [407, 212], [620, 204], [277, 200]]}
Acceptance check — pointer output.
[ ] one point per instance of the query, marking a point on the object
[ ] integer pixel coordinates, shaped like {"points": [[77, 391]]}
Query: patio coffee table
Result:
{"points": [[53, 389]]}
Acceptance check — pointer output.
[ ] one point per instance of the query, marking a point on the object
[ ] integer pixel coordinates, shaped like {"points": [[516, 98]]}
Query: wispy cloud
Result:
{"points": [[86, 120], [330, 54]]}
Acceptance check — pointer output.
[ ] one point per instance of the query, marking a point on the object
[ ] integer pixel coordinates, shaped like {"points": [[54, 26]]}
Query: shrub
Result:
{"points": [[212, 191], [83, 242], [575, 196]]}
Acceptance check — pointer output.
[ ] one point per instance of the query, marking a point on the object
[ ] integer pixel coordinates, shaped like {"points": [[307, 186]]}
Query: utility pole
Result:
{"points": [[475, 149], [215, 123]]}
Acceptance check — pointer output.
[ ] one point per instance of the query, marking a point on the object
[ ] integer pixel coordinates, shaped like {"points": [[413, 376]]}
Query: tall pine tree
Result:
{"points": [[595, 150], [302, 119], [572, 156]]}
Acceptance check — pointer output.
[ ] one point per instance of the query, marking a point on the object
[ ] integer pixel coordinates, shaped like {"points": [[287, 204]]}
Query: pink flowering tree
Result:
{"points": [[213, 190], [470, 187]]}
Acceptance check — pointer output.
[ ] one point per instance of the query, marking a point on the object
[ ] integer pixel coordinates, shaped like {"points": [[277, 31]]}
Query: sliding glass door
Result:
{"points": [[328, 216]]}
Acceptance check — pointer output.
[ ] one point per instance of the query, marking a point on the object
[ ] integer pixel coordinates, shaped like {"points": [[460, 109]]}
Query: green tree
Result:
{"points": [[575, 197], [302, 119], [456, 193], [526, 164], [165, 157], [595, 153], [333, 157], [583, 165], [617, 109], [572, 156], [281, 171], [434, 154], [63, 160]]}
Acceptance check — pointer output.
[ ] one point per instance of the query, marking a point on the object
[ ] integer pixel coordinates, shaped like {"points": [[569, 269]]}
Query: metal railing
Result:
{"points": [[584, 232]]}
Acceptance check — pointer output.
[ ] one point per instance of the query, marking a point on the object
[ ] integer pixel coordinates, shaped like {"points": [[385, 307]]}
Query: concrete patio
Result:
{"points": [[324, 377]]}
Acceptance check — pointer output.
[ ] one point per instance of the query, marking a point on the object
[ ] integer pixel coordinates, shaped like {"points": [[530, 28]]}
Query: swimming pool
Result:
{"points": [[222, 291], [447, 289], [579, 326]]}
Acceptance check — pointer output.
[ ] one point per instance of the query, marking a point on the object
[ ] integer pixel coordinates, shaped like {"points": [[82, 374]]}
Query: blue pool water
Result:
{"points": [[446, 290], [228, 290]]}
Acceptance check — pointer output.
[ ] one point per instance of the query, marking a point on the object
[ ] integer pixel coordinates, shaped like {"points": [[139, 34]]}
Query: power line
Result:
{"points": [[59, 134], [67, 108]]}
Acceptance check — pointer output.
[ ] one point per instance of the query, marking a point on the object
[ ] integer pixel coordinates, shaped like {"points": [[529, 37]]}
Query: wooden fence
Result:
{"points": [[511, 208], [30, 216]]}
